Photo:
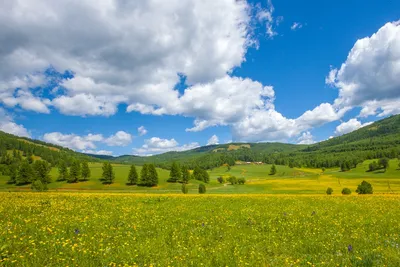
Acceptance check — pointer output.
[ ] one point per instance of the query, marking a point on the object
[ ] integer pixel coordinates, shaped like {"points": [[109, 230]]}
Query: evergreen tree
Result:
{"points": [[74, 172], [108, 173], [133, 175], [144, 175], [197, 173], [153, 175], [384, 163], [273, 170], [13, 174], [85, 171], [206, 176], [25, 173], [185, 175], [42, 171], [202, 189], [62, 171], [175, 174], [185, 188]]}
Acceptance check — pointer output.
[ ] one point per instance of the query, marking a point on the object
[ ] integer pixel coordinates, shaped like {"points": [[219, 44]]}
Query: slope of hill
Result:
{"points": [[29, 147], [380, 139]]}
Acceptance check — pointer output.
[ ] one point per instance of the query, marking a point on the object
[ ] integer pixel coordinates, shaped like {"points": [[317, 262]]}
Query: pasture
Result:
{"points": [[123, 229], [258, 181]]}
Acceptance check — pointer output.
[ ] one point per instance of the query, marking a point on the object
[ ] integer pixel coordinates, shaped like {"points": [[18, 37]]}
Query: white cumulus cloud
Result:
{"points": [[213, 140], [8, 125], [156, 145], [370, 76], [350, 126], [120, 138], [306, 138]]}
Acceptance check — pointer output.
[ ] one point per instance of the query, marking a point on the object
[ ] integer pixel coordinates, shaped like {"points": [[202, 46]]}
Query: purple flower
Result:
{"points": [[350, 248], [76, 231]]}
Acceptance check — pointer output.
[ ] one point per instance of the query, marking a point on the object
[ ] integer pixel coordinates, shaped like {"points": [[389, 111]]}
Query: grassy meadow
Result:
{"points": [[124, 229], [286, 181]]}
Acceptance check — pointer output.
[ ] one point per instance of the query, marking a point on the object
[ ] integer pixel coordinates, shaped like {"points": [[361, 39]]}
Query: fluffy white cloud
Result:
{"points": [[118, 52], [370, 76], [98, 152], [70, 140], [142, 131], [156, 145], [350, 126], [213, 140], [87, 142], [270, 125], [296, 26], [306, 139], [9, 126], [121, 138]]}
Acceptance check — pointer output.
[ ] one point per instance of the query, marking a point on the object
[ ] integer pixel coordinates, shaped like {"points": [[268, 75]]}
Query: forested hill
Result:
{"points": [[378, 140], [12, 146]]}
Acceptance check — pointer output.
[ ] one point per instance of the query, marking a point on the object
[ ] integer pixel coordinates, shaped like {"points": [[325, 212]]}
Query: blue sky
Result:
{"points": [[293, 71]]}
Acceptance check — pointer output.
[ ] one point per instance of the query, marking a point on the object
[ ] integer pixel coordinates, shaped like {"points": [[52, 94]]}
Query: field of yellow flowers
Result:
{"points": [[111, 229]]}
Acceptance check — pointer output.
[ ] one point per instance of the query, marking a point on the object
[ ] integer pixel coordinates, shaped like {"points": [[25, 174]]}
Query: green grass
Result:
{"points": [[286, 181], [118, 229]]}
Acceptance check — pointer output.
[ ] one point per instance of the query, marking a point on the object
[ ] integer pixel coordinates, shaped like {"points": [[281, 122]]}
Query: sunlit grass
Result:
{"points": [[120, 229]]}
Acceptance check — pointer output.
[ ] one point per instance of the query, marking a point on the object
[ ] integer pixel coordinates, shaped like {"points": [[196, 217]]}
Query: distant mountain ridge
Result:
{"points": [[381, 138]]}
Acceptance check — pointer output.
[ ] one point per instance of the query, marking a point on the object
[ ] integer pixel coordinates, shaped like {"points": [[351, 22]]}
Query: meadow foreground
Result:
{"points": [[106, 229]]}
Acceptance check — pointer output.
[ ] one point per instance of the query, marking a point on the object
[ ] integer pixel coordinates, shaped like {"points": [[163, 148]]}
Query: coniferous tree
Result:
{"points": [[144, 175], [13, 174], [175, 173], [74, 172], [25, 173], [42, 171], [185, 175], [85, 171], [62, 171], [133, 176], [153, 175], [108, 173], [273, 170]]}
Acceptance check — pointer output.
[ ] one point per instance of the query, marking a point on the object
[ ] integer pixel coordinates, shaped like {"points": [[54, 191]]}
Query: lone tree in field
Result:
{"points": [[108, 173], [85, 171], [185, 188], [329, 191], [175, 174], [364, 188], [74, 172], [62, 171], [273, 170], [133, 176], [346, 191], [202, 189], [185, 175]]}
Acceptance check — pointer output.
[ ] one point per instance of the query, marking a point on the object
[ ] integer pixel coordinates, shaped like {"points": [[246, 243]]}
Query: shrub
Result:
{"points": [[202, 188], [364, 188], [38, 186], [329, 191], [221, 180], [185, 189], [346, 191], [241, 181], [232, 180]]}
